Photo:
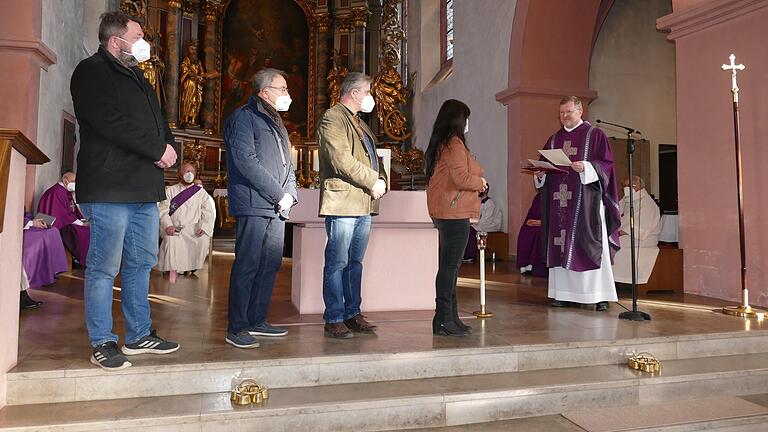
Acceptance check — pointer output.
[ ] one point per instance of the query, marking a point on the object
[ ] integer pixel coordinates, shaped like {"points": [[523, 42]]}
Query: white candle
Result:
{"points": [[295, 157], [316, 160]]}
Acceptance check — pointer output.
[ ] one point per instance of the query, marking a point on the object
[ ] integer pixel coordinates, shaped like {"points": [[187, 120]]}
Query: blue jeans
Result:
{"points": [[258, 255], [343, 270], [127, 232]]}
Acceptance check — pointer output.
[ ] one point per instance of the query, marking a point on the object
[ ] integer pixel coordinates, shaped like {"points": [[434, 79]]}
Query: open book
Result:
{"points": [[554, 159], [537, 165]]}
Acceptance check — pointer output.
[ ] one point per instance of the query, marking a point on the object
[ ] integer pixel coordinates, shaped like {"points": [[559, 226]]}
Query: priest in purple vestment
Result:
{"points": [[580, 213], [43, 255], [58, 201], [529, 256]]}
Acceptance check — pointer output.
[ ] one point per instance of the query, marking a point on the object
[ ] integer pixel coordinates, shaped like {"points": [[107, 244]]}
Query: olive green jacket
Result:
{"points": [[346, 176]]}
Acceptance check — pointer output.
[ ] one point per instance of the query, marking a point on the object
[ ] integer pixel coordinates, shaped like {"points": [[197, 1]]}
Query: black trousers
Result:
{"points": [[453, 240]]}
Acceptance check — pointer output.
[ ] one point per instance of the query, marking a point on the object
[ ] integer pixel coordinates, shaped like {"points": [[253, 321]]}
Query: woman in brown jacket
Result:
{"points": [[454, 179]]}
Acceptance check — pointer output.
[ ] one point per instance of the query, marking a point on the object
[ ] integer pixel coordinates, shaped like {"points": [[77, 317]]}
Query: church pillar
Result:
{"points": [[212, 14], [321, 91], [172, 69], [359, 20]]}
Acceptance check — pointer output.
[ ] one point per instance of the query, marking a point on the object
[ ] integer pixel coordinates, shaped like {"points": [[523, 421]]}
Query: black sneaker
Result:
{"points": [[150, 344], [107, 357], [266, 329]]}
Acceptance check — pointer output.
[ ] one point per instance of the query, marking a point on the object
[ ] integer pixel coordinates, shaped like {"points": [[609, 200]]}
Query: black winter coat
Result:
{"points": [[122, 133]]}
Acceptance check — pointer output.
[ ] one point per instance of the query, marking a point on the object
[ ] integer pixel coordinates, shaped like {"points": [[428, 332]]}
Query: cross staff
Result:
{"points": [[745, 310], [734, 67]]}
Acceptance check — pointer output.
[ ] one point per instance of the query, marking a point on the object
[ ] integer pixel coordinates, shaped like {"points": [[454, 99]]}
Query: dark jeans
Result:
{"points": [[343, 270], [258, 255], [453, 240]]}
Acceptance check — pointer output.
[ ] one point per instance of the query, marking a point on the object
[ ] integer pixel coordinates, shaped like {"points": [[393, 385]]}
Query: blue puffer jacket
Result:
{"points": [[258, 162]]}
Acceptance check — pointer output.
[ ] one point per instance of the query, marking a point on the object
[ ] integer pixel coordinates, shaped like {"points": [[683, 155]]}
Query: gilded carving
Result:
{"points": [[154, 67], [322, 21], [136, 8], [344, 24], [174, 4], [388, 88], [360, 16], [335, 77], [212, 11]]}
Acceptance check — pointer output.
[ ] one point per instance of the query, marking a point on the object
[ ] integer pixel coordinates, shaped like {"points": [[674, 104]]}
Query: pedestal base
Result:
{"points": [[745, 312]]}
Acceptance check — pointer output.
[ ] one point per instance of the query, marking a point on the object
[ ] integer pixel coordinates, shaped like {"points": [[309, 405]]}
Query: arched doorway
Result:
{"points": [[549, 56]]}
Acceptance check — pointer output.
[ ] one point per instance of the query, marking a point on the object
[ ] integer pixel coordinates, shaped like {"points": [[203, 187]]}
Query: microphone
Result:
{"points": [[628, 129]]}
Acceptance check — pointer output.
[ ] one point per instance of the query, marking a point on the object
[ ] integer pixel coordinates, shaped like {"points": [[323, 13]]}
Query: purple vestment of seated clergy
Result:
{"points": [[43, 254], [57, 201], [571, 210], [529, 242]]}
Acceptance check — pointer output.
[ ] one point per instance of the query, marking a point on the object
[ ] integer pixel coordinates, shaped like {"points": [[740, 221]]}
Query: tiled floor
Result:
{"points": [[193, 312]]}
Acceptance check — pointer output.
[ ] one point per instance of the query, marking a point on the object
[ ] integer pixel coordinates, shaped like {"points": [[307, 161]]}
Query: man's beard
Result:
{"points": [[126, 60]]}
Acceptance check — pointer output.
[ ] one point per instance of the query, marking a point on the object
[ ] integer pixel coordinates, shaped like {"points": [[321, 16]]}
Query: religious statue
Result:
{"points": [[154, 67], [193, 77], [335, 77]]}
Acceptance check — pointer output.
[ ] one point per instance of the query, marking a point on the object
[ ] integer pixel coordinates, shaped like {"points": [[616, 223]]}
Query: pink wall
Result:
{"points": [[22, 54], [549, 57], [705, 35], [10, 268]]}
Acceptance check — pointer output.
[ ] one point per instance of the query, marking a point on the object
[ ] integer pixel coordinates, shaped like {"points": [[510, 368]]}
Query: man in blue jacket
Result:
{"points": [[261, 189]]}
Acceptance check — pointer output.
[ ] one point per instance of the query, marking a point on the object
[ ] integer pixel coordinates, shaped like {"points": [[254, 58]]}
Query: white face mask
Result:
{"points": [[626, 191], [140, 50], [367, 104], [71, 186], [189, 177], [282, 102], [466, 127]]}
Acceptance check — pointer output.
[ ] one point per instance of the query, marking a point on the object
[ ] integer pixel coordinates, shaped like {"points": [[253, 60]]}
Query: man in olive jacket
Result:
{"points": [[351, 182], [125, 144]]}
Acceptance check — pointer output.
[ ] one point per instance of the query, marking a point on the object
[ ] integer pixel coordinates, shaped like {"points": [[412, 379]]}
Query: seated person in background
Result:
{"points": [[529, 256], [186, 225], [43, 257], [490, 221], [59, 202], [647, 230]]}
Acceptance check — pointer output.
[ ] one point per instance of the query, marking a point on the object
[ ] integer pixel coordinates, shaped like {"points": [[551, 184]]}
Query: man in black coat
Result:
{"points": [[125, 144]]}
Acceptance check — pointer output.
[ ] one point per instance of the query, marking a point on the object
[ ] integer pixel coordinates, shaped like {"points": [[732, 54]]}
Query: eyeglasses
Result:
{"points": [[282, 90]]}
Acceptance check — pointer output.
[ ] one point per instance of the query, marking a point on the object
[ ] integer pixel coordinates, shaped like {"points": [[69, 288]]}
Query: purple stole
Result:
{"points": [[182, 197]]}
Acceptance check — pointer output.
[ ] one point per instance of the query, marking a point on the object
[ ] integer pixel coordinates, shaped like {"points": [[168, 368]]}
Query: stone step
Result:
{"points": [[408, 404], [91, 383], [556, 423]]}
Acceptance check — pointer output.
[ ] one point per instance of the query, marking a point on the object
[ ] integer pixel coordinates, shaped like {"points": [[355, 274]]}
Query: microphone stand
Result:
{"points": [[634, 314]]}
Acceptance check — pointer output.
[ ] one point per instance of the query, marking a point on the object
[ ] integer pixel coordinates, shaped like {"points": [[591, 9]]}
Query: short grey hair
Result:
{"points": [[354, 80], [264, 77]]}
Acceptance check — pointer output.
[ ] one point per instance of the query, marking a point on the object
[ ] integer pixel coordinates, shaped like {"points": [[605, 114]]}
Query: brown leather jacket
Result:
{"points": [[452, 190]]}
